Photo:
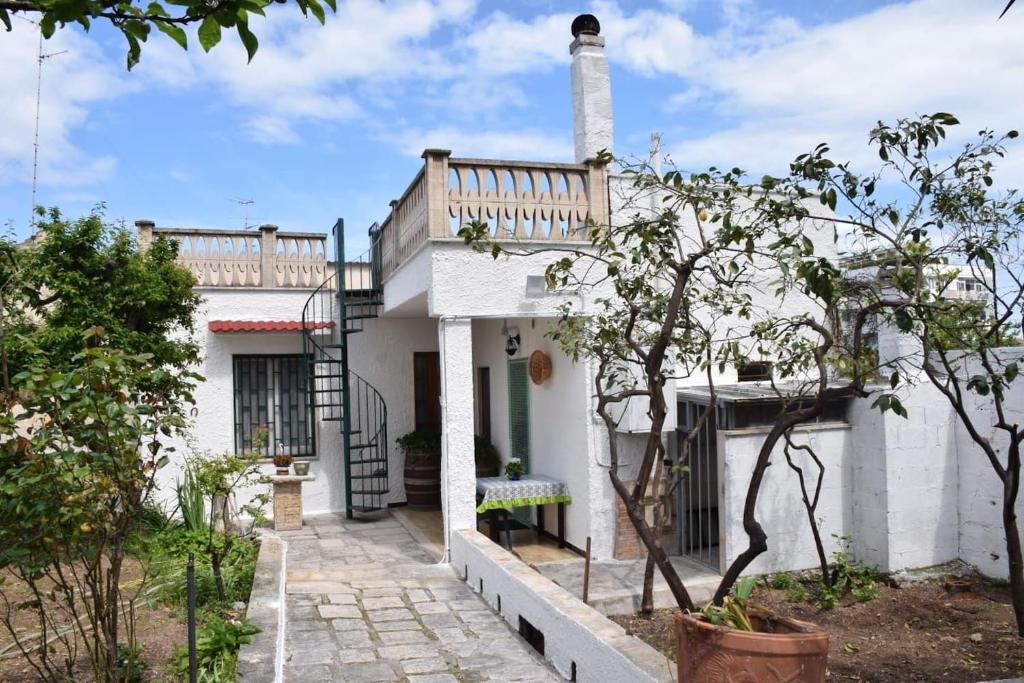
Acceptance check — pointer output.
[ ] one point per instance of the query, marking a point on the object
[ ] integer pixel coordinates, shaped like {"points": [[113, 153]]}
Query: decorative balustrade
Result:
{"points": [[245, 258], [525, 201]]}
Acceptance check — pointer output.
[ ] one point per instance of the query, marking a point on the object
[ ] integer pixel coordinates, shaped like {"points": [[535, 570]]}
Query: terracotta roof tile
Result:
{"points": [[266, 325]]}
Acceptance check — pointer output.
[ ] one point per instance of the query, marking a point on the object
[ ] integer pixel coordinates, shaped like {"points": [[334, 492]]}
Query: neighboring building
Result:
{"points": [[428, 334]]}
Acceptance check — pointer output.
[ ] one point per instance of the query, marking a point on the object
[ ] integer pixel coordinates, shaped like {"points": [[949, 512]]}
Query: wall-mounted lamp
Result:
{"points": [[512, 341]]}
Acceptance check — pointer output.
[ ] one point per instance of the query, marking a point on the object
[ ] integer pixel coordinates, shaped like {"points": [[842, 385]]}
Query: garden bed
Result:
{"points": [[933, 631], [160, 618]]}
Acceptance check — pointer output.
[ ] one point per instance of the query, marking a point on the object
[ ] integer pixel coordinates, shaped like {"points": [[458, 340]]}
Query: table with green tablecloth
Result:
{"points": [[501, 493]]}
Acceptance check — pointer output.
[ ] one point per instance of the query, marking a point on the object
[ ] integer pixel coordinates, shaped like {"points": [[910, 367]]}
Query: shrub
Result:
{"points": [[848, 574], [217, 644], [782, 581]]}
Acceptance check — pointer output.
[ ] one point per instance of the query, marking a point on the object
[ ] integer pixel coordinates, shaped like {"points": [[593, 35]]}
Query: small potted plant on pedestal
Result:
{"points": [[514, 469], [282, 461]]}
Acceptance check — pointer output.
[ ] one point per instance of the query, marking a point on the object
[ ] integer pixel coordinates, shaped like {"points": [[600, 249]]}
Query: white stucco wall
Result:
{"points": [[779, 508], [577, 638], [559, 412], [382, 354], [981, 536]]}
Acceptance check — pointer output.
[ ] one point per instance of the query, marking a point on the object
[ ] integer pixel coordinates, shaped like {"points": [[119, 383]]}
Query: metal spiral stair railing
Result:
{"points": [[334, 311]]}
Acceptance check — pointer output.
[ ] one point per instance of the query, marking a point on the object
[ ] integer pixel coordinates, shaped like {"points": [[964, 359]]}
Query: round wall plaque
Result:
{"points": [[540, 367]]}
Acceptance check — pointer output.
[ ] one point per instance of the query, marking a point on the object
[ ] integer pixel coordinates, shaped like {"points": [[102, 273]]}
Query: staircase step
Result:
{"points": [[369, 493], [366, 508], [360, 446], [365, 316], [375, 475]]}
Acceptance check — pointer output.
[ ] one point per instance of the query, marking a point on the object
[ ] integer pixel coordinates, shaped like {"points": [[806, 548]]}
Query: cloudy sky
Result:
{"points": [[330, 121]]}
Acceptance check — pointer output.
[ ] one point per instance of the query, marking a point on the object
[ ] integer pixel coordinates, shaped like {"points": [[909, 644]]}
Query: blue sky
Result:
{"points": [[330, 121]]}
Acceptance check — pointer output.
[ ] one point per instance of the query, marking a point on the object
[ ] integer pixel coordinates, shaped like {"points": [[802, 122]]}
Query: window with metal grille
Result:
{"points": [[272, 408]]}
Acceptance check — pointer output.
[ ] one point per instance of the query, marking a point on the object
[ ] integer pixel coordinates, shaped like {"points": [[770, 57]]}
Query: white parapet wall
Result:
{"points": [[577, 639]]}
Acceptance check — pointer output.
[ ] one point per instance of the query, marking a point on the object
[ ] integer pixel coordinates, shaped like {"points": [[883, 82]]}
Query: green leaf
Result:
{"points": [[5, 18], [318, 11], [894, 379], [47, 25], [209, 33], [175, 32], [1011, 372], [248, 39], [134, 49]]}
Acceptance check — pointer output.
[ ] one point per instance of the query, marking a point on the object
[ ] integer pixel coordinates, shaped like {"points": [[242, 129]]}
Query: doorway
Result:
{"points": [[697, 500]]}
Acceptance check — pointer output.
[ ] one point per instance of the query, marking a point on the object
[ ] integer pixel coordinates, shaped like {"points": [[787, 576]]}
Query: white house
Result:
{"points": [[428, 334]]}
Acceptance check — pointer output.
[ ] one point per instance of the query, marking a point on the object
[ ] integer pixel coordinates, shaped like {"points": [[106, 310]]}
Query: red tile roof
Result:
{"points": [[266, 325]]}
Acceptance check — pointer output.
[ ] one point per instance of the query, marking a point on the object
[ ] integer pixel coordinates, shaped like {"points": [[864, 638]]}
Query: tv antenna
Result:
{"points": [[40, 58], [245, 203]]}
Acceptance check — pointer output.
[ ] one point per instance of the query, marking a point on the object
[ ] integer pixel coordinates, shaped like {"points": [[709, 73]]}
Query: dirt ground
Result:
{"points": [[159, 633], [935, 631]]}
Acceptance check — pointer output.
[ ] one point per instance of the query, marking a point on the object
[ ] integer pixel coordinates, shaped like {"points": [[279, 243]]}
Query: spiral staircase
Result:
{"points": [[335, 311]]}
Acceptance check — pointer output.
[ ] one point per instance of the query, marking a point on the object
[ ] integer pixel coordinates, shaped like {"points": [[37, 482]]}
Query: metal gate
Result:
{"points": [[697, 497]]}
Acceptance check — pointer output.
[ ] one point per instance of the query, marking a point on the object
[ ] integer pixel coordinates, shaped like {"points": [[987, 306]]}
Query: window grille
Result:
{"points": [[272, 401]]}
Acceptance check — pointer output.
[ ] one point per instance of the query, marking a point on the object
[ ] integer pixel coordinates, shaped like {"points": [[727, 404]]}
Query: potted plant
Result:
{"points": [[514, 469], [488, 462], [739, 641], [282, 461], [422, 469]]}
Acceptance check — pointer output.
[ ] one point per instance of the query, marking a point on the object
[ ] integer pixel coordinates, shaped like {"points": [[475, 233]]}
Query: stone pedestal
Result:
{"points": [[288, 501]]}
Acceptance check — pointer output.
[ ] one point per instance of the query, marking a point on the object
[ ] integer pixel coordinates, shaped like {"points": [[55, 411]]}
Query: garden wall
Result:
{"points": [[576, 638], [981, 537], [779, 508]]}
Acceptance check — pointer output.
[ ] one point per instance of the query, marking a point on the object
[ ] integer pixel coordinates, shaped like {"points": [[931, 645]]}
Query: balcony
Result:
{"points": [[521, 201], [262, 258]]}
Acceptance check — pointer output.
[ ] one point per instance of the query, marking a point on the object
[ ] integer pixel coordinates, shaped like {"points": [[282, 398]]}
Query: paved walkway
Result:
{"points": [[365, 602], [616, 586]]}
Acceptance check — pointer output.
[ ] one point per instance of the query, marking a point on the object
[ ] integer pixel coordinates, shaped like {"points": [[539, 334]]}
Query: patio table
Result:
{"points": [[501, 493]]}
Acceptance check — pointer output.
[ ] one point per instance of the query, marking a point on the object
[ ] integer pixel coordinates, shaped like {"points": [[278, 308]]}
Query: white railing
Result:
{"points": [[528, 201], [246, 258]]}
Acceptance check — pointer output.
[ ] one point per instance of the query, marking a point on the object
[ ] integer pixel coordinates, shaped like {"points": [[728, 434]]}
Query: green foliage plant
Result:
{"points": [[85, 273], [79, 451], [733, 610], [217, 644], [220, 479], [136, 20], [514, 468], [191, 502], [848, 574]]}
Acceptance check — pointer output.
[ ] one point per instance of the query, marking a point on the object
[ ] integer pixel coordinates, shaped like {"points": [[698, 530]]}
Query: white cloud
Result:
{"points": [[503, 144], [832, 82], [72, 81], [271, 130]]}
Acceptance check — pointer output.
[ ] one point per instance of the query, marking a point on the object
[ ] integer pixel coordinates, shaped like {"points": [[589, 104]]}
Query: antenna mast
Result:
{"points": [[40, 57]]}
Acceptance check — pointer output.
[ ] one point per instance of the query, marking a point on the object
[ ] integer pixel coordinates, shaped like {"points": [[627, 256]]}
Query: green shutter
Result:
{"points": [[519, 412]]}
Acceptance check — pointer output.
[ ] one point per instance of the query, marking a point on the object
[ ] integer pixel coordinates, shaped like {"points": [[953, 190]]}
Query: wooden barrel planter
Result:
{"points": [[781, 649], [423, 480]]}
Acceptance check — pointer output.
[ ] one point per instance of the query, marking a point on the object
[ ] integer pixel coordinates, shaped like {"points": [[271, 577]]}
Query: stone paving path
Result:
{"points": [[365, 603]]}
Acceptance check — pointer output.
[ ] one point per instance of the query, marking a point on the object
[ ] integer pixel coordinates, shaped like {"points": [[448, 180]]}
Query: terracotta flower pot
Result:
{"points": [[781, 649]]}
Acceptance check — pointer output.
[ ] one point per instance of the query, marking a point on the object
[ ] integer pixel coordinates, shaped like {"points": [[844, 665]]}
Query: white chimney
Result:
{"points": [[591, 89]]}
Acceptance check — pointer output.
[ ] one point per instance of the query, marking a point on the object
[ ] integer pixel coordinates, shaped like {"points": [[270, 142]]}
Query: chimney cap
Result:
{"points": [[586, 24]]}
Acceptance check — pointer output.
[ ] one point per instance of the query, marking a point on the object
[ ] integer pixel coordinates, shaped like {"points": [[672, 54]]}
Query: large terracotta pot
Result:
{"points": [[781, 649], [423, 480]]}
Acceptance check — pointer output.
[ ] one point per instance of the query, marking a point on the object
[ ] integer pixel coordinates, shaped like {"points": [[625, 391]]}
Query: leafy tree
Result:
{"points": [[83, 273], [79, 451], [136, 20], [946, 208]]}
